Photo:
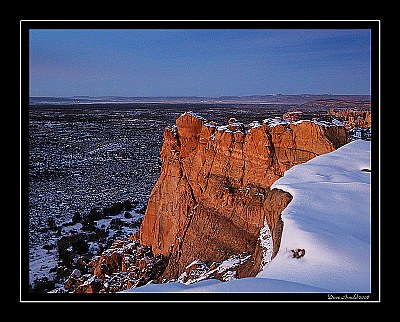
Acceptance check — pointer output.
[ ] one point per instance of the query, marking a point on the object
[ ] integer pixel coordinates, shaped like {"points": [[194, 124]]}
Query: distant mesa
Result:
{"points": [[302, 100]]}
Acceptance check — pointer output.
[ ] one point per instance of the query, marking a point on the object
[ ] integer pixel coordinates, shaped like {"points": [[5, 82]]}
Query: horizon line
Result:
{"points": [[197, 96]]}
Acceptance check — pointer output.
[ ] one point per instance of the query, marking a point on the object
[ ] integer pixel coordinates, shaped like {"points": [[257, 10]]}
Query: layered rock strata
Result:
{"points": [[213, 195]]}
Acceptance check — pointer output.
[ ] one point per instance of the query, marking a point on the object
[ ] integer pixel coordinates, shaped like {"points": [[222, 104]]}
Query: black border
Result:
{"points": [[373, 25], [200, 24]]}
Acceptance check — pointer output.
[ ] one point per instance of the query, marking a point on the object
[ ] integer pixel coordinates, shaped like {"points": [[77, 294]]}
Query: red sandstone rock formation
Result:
{"points": [[292, 116], [124, 265], [213, 195], [353, 118]]}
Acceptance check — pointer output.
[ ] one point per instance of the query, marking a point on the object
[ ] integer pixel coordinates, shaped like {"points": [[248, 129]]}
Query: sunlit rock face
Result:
{"points": [[213, 195]]}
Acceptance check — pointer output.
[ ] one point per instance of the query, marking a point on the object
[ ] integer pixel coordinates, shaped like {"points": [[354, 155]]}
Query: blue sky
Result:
{"points": [[198, 62]]}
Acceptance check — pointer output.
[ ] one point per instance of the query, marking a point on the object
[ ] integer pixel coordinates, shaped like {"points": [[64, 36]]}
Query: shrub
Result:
{"points": [[76, 218], [94, 214], [127, 205], [42, 285], [51, 223], [116, 223], [127, 215], [69, 245]]}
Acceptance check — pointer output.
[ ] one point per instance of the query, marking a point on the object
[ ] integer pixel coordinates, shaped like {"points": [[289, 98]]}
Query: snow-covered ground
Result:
{"points": [[249, 284], [329, 218], [42, 260]]}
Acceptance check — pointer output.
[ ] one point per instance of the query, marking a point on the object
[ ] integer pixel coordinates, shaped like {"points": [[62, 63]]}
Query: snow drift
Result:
{"points": [[329, 217]]}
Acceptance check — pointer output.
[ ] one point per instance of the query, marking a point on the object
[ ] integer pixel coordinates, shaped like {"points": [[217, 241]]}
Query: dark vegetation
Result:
{"points": [[73, 248]]}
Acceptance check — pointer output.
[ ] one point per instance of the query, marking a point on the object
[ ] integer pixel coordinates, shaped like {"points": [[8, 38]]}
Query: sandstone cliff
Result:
{"points": [[213, 195]]}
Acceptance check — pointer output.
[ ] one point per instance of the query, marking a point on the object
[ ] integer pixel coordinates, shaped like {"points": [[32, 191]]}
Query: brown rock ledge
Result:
{"points": [[213, 194]]}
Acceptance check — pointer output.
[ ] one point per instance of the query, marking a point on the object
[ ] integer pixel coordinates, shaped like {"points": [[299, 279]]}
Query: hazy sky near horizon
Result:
{"points": [[198, 62]]}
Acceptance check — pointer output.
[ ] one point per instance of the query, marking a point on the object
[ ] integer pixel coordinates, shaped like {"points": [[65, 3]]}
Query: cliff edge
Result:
{"points": [[213, 196]]}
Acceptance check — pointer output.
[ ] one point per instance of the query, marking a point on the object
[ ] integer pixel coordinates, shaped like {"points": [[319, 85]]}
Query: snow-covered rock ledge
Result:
{"points": [[329, 218], [236, 126], [326, 240]]}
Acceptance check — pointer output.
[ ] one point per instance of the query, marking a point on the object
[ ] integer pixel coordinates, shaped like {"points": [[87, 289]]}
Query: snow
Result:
{"points": [[42, 260], [272, 122], [191, 113], [267, 244], [203, 272], [321, 123], [328, 217], [223, 128], [195, 262], [249, 284], [337, 122], [254, 124]]}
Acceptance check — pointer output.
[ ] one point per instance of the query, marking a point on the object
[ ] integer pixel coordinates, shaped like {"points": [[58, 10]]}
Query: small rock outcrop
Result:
{"points": [[213, 195], [124, 265]]}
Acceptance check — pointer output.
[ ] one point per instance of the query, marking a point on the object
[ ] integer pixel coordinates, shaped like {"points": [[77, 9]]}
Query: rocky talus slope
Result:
{"points": [[213, 199]]}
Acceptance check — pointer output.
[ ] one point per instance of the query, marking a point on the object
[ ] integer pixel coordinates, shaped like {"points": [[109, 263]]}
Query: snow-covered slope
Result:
{"points": [[249, 284], [328, 218]]}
